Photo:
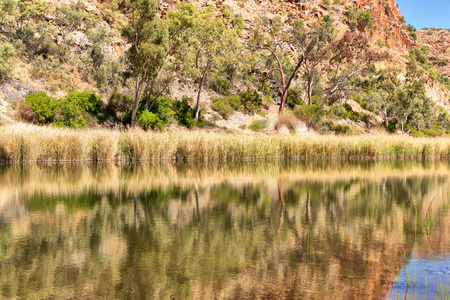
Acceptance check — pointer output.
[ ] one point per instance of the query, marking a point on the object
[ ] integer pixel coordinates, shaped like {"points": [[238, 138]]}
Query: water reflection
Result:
{"points": [[259, 230], [423, 279]]}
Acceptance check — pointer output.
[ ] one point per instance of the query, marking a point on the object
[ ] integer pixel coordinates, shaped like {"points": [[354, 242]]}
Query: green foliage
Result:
{"points": [[67, 111], [419, 55], [392, 127], [258, 125], [306, 112], [341, 129], [184, 113], [226, 105], [86, 101], [148, 120], [164, 109], [339, 111], [293, 98], [264, 86], [43, 106], [359, 18], [119, 103], [6, 59], [434, 75], [223, 107], [351, 114], [218, 83], [252, 101]]}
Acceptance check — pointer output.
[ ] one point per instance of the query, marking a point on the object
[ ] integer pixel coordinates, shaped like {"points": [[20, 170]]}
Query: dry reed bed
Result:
{"points": [[22, 143]]}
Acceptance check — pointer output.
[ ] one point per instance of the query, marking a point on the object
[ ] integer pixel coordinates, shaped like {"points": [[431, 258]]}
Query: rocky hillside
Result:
{"points": [[77, 44]]}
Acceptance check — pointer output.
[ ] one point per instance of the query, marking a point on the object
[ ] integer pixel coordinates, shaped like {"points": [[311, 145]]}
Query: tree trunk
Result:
{"points": [[137, 98], [147, 99], [313, 121], [200, 86], [288, 85], [310, 82]]}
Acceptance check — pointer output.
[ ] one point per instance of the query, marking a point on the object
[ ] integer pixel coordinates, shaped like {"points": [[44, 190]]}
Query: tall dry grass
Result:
{"points": [[25, 143]]}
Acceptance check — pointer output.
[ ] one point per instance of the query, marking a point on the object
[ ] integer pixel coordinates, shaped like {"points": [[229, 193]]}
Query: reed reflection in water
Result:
{"points": [[244, 230]]}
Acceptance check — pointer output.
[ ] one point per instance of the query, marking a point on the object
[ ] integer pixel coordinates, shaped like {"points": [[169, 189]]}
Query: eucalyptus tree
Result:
{"points": [[290, 47], [147, 35], [344, 59], [213, 40]]}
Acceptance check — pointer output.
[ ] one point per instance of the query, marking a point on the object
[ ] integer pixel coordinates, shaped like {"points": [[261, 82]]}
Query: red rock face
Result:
{"points": [[389, 28]]}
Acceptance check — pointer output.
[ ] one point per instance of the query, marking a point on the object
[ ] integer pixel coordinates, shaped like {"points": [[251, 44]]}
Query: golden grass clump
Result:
{"points": [[27, 143]]}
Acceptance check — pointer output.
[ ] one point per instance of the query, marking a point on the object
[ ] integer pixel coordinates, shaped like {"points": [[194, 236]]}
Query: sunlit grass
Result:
{"points": [[31, 143]]}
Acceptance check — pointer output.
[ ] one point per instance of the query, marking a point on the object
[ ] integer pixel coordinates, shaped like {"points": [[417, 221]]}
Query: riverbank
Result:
{"points": [[24, 143]]}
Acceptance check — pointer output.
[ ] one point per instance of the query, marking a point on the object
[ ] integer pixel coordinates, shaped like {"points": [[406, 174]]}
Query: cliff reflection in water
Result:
{"points": [[247, 230]]}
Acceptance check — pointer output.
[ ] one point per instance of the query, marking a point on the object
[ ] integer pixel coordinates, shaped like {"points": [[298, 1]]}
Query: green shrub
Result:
{"points": [[43, 106], [226, 105], [163, 108], [251, 101], [6, 59], [184, 113], [264, 87], [148, 120], [339, 111], [293, 98], [119, 103], [218, 83], [258, 125], [392, 126], [351, 114], [69, 114], [223, 107], [306, 112], [341, 129], [434, 131], [416, 133], [86, 101]]}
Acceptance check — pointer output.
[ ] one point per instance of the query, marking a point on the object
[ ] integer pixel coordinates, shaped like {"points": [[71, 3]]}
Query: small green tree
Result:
{"points": [[148, 36], [6, 59], [214, 38]]}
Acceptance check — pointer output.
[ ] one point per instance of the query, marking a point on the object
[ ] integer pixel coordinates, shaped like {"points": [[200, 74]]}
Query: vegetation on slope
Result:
{"points": [[311, 70]]}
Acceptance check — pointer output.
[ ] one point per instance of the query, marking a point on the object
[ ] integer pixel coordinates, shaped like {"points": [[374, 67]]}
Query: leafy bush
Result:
{"points": [[267, 100], [434, 131], [43, 106], [293, 98], [252, 101], [69, 113], [163, 107], [6, 55], [149, 120], [264, 87], [86, 101], [351, 114], [416, 133], [339, 111], [184, 113], [218, 83], [226, 105], [223, 107], [392, 126], [119, 103], [341, 129], [359, 18], [306, 112], [258, 125]]}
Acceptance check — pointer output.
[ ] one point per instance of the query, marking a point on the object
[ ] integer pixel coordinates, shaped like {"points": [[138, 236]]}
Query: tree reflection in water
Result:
{"points": [[253, 230]]}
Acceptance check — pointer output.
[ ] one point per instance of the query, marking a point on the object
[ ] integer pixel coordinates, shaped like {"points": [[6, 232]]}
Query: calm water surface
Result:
{"points": [[248, 230]]}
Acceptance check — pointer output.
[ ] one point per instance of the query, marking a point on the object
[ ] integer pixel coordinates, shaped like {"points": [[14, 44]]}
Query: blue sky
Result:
{"points": [[429, 13]]}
